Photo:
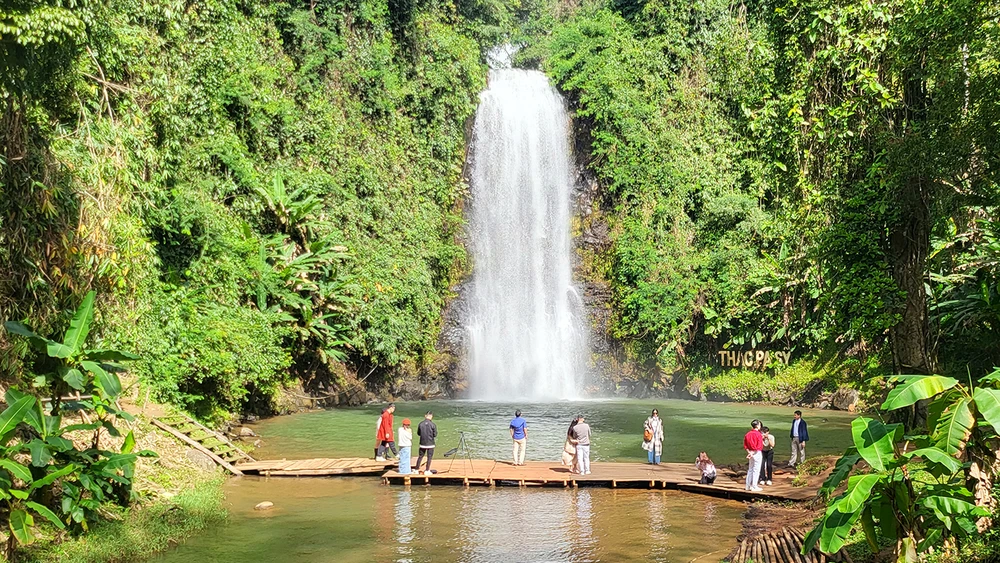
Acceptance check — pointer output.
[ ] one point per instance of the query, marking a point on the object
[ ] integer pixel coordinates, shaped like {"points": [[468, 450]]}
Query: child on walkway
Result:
{"points": [[767, 459]]}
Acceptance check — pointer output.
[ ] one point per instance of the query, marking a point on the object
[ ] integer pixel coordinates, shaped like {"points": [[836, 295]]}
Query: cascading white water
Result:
{"points": [[525, 320]]}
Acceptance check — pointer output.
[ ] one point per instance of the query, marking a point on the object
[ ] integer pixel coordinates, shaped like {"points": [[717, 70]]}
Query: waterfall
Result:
{"points": [[525, 321]]}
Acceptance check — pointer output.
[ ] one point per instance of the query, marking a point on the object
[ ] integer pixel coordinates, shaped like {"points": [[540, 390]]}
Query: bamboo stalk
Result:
{"points": [[772, 550], [741, 554], [796, 548], [788, 554]]}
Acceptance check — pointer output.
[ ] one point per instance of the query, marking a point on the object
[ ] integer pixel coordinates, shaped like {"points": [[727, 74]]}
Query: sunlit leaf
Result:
{"points": [[913, 388], [14, 414], [988, 405], [20, 525], [859, 488], [875, 441], [79, 327], [954, 427], [108, 383], [46, 513]]}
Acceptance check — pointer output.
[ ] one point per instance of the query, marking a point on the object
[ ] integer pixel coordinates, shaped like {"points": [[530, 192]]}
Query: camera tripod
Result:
{"points": [[463, 448]]}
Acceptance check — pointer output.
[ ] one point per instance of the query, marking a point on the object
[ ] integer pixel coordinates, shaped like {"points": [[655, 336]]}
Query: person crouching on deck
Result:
{"points": [[707, 468]]}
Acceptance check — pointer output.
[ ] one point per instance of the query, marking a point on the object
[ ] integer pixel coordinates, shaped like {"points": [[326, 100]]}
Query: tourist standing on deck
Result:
{"points": [[569, 448], [767, 457], [581, 433], [799, 435], [387, 442], [405, 442], [652, 437], [378, 434], [428, 432], [753, 443], [519, 433]]}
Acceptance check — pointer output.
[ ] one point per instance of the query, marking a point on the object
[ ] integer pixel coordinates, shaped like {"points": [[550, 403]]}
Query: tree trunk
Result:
{"points": [[909, 237]]}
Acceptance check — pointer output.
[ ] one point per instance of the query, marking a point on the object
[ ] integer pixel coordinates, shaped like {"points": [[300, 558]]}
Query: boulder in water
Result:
{"points": [[266, 505]]}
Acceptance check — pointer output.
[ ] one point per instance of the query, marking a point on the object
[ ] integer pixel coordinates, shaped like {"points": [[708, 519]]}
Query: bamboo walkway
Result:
{"points": [[316, 467]]}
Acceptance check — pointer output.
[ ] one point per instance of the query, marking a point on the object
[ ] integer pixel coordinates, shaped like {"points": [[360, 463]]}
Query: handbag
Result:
{"points": [[647, 435]]}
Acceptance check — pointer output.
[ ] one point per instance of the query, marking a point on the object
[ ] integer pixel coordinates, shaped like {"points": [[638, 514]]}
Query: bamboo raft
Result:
{"points": [[783, 546], [322, 467]]}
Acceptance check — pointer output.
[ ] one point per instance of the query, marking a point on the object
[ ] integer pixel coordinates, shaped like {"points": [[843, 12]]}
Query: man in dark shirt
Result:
{"points": [[428, 432], [799, 436]]}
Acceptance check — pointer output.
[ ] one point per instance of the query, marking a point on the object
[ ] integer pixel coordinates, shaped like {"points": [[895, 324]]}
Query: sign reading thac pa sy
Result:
{"points": [[752, 358]]}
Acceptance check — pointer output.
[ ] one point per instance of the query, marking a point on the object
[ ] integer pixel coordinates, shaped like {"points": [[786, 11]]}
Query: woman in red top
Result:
{"points": [[753, 443]]}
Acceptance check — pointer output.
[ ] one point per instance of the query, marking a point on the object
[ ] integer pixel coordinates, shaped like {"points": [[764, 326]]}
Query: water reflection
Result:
{"points": [[354, 520], [404, 526]]}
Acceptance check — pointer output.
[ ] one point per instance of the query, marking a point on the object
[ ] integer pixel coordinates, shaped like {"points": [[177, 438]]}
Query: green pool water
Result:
{"points": [[689, 428], [357, 519]]}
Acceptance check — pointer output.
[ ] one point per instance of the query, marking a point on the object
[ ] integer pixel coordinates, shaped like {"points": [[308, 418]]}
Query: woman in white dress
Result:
{"points": [[652, 437]]}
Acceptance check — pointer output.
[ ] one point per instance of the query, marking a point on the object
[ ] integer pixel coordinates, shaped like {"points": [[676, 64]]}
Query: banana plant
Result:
{"points": [[91, 475], [67, 363], [18, 482], [892, 500]]}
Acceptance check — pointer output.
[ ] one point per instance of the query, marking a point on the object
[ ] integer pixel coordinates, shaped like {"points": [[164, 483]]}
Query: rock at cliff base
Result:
{"points": [[845, 399]]}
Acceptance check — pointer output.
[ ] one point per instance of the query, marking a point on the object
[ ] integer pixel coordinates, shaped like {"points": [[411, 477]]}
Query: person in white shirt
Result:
{"points": [[405, 442]]}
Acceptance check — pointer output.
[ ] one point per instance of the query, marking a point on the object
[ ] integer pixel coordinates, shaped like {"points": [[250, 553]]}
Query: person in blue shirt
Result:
{"points": [[519, 433]]}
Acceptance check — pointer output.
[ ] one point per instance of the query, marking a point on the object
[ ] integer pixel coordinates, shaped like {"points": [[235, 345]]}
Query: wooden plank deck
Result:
{"points": [[316, 467], [675, 476], [487, 472]]}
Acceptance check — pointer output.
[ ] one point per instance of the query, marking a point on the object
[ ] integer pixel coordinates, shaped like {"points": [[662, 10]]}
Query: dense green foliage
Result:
{"points": [[258, 190], [793, 175]]}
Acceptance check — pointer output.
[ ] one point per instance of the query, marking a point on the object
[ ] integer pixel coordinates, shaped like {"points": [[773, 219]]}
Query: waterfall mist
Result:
{"points": [[526, 321]]}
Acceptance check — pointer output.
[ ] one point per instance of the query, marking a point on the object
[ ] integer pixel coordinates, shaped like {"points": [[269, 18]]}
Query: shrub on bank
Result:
{"points": [[779, 383], [138, 532]]}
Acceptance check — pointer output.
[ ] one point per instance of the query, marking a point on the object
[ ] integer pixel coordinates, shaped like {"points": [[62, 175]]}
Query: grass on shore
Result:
{"points": [[136, 533]]}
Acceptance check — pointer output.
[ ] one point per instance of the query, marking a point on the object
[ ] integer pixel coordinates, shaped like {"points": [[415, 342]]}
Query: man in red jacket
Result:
{"points": [[386, 434]]}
